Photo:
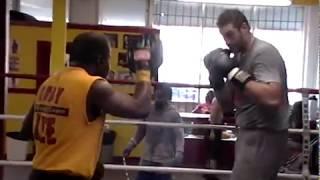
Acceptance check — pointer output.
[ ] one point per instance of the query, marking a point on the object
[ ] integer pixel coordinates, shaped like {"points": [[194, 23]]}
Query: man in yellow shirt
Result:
{"points": [[67, 118]]}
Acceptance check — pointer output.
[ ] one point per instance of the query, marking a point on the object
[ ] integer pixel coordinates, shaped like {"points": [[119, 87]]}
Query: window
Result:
{"points": [[188, 32], [181, 64], [184, 64]]}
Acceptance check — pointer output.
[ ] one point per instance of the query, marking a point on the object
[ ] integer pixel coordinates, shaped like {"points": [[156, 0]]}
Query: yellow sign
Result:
{"points": [[305, 2]]}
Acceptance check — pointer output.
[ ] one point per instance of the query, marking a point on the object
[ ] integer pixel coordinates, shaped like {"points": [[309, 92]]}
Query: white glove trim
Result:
{"points": [[232, 73]]}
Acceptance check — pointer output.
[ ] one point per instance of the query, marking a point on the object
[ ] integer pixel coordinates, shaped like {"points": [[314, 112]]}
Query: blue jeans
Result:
{"points": [[143, 175]]}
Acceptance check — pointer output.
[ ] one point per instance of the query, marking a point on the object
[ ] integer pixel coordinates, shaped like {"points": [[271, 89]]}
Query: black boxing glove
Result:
{"points": [[229, 68], [215, 78]]}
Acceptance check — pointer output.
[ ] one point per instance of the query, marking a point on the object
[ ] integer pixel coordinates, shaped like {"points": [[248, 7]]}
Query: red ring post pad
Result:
{"points": [[35, 77], [305, 90]]}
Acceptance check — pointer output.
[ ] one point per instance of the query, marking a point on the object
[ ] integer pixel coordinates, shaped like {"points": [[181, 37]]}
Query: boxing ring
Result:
{"points": [[305, 132]]}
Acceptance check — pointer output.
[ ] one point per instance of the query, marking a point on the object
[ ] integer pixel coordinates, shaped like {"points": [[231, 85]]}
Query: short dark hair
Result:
{"points": [[233, 16], [210, 95], [166, 88], [89, 47]]}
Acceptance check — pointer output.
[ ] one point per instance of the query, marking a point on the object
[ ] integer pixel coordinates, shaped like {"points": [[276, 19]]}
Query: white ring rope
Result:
{"points": [[194, 126], [157, 169], [172, 125]]}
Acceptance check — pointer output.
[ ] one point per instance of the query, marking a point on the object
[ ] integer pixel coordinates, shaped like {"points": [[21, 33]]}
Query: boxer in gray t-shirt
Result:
{"points": [[256, 87]]}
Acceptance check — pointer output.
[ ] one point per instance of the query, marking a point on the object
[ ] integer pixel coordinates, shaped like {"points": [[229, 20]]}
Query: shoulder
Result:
{"points": [[265, 53], [152, 113], [99, 90], [173, 113], [172, 109], [100, 86], [263, 47], [201, 105]]}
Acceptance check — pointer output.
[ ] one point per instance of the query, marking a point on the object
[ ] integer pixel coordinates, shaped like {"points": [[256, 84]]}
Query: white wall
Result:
{"points": [[84, 11], [42, 10], [311, 48], [109, 12], [123, 12]]}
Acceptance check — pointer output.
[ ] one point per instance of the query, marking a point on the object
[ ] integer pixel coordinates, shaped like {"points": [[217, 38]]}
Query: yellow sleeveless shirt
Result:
{"points": [[65, 140]]}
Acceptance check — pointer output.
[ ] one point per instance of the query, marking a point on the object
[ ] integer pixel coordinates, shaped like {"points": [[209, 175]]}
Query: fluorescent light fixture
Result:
{"points": [[246, 2]]}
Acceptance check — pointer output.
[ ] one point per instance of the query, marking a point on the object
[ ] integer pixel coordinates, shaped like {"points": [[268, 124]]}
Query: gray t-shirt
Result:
{"points": [[162, 143], [265, 63]]}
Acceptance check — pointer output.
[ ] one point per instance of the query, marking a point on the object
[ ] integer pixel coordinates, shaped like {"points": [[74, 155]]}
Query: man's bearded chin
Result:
{"points": [[160, 104]]}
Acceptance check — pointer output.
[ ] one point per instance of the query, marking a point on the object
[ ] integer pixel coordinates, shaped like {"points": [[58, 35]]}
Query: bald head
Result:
{"points": [[89, 47], [91, 51], [163, 91]]}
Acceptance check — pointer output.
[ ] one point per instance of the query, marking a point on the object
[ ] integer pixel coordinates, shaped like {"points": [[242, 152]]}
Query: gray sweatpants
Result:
{"points": [[259, 154]]}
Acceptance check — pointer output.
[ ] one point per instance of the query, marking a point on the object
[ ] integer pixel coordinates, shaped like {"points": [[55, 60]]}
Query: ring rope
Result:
{"points": [[126, 82], [171, 125], [157, 169], [194, 126]]}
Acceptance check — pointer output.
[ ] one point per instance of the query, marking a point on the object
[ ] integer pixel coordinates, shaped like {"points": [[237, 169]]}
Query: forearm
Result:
{"points": [[264, 93], [196, 109], [179, 140], [140, 133], [224, 100], [143, 94], [143, 90], [216, 116], [27, 126], [265, 82]]}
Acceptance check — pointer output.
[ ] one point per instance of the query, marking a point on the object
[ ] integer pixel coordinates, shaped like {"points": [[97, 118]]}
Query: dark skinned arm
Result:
{"points": [[102, 96], [26, 130], [140, 133], [224, 98], [216, 115]]}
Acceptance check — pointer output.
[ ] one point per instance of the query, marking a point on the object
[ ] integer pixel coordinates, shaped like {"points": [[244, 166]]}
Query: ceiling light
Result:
{"points": [[246, 2]]}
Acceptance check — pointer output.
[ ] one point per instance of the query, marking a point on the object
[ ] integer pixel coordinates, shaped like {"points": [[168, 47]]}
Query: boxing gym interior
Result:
{"points": [[36, 40]]}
